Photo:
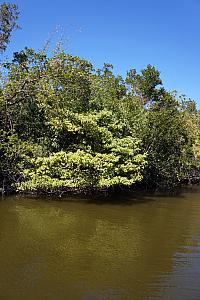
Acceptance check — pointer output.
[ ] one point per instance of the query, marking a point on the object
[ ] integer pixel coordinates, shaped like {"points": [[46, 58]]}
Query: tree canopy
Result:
{"points": [[66, 126]]}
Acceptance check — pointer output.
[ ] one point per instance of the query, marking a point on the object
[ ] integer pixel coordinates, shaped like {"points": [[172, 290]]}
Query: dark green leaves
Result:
{"points": [[8, 22]]}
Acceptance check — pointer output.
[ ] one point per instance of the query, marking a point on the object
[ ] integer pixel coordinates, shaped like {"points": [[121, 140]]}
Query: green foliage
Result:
{"points": [[144, 85], [8, 22], [65, 125], [167, 143], [14, 153], [121, 165]]}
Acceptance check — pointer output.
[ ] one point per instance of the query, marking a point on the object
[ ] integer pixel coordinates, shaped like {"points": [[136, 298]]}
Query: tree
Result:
{"points": [[8, 22], [51, 103], [168, 144], [145, 85], [165, 135]]}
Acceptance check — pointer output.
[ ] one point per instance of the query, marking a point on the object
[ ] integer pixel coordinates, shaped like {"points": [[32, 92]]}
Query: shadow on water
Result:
{"points": [[120, 197], [134, 197]]}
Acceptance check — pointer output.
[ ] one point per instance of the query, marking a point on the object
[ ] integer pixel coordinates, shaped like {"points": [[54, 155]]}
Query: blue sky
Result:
{"points": [[128, 34]]}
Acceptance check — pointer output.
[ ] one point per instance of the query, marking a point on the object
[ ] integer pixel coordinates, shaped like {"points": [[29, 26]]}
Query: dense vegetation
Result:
{"points": [[66, 126]]}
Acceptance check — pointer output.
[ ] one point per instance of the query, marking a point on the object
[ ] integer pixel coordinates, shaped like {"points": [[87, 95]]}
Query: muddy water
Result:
{"points": [[135, 247]]}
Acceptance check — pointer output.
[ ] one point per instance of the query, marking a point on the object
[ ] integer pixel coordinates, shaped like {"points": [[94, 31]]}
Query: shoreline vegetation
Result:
{"points": [[67, 127]]}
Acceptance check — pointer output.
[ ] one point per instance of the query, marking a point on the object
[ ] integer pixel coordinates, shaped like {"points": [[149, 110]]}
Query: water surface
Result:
{"points": [[137, 248]]}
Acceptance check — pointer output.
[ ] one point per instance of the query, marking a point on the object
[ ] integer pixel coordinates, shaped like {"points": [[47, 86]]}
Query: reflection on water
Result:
{"points": [[78, 250]]}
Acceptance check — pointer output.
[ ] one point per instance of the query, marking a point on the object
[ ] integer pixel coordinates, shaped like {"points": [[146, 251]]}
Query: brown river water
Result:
{"points": [[131, 247]]}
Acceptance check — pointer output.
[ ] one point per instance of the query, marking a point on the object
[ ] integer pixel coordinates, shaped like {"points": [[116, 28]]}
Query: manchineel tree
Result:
{"points": [[66, 126]]}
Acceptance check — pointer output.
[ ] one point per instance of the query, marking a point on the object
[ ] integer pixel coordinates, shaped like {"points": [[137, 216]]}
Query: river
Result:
{"points": [[133, 247]]}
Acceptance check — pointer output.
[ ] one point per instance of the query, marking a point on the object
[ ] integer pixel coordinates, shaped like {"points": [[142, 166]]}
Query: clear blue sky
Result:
{"points": [[128, 34]]}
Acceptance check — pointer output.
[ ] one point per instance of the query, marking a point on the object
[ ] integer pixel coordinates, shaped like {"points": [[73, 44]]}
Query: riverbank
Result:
{"points": [[107, 192]]}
